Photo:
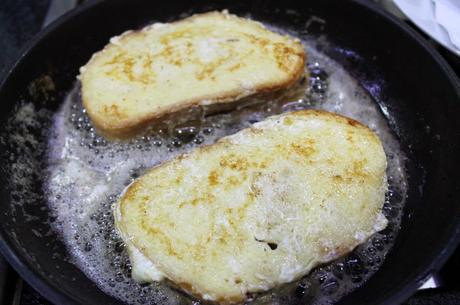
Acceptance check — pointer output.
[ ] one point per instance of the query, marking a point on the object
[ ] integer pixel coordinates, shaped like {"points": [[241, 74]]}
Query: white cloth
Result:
{"points": [[440, 19], [447, 14]]}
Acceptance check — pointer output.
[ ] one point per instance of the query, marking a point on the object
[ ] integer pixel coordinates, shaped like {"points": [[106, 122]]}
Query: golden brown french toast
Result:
{"points": [[202, 60], [258, 208]]}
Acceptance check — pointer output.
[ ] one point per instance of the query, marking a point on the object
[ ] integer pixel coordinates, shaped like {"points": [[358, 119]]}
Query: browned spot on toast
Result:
{"points": [[234, 162], [213, 178], [121, 66], [303, 150], [113, 112]]}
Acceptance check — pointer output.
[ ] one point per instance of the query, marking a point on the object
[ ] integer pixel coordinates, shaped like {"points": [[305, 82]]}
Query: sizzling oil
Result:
{"points": [[87, 173]]}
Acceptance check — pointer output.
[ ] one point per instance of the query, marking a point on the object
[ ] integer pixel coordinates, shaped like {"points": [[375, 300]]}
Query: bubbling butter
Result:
{"points": [[88, 173]]}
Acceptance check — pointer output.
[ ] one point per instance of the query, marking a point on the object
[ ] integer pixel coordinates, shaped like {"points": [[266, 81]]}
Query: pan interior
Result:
{"points": [[85, 174], [404, 82]]}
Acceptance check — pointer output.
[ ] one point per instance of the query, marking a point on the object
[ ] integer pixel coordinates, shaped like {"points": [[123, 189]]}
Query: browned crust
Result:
{"points": [[129, 128]]}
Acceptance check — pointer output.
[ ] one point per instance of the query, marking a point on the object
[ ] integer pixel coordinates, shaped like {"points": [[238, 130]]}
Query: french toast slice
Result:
{"points": [[202, 60], [258, 208]]}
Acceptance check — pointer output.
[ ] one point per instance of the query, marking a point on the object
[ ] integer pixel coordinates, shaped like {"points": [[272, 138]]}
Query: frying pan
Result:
{"points": [[415, 88]]}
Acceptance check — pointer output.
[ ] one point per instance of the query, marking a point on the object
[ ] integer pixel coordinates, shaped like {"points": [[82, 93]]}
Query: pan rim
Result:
{"points": [[55, 294], [37, 281], [452, 241]]}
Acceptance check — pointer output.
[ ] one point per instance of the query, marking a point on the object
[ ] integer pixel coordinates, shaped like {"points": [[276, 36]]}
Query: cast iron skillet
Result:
{"points": [[412, 83]]}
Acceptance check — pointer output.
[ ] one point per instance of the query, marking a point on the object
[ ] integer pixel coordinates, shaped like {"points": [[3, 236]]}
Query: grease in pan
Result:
{"points": [[88, 172]]}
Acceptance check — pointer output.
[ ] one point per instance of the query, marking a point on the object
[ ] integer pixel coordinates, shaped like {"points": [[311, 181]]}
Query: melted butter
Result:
{"points": [[89, 173]]}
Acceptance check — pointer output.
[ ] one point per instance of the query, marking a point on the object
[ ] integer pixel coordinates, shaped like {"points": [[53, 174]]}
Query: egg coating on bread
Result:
{"points": [[205, 59], [258, 208]]}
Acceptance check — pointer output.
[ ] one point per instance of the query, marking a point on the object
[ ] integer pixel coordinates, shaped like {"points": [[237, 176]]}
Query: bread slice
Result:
{"points": [[258, 208], [205, 59]]}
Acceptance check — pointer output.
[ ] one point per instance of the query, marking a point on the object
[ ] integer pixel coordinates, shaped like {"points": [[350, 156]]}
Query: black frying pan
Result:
{"points": [[407, 77]]}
